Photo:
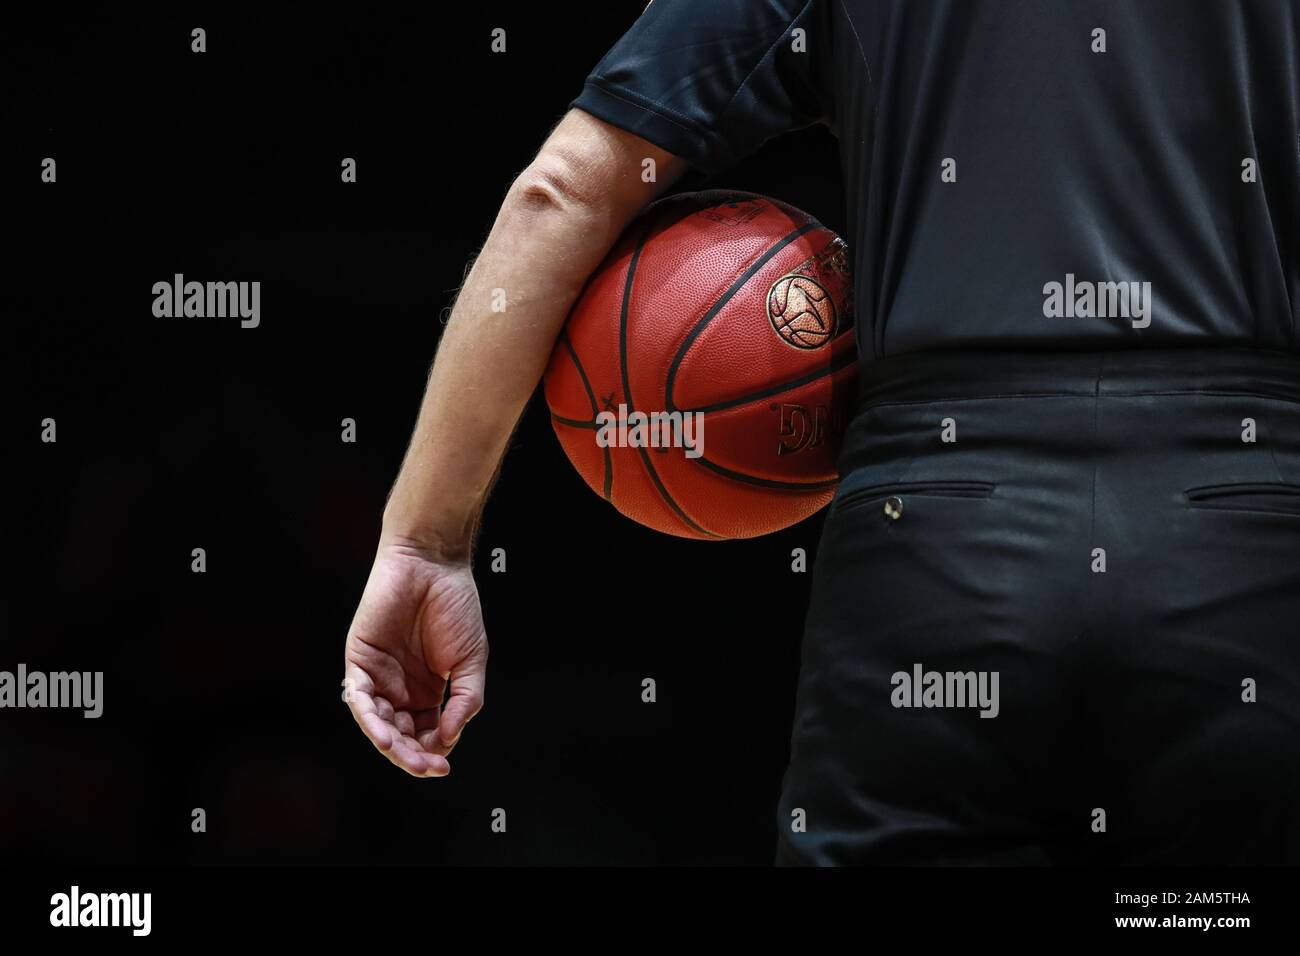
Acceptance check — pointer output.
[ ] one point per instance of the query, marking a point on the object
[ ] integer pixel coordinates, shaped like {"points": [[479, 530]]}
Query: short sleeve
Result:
{"points": [[712, 80]]}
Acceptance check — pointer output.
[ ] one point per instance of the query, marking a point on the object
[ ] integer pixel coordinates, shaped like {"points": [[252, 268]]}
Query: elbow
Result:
{"points": [[551, 183]]}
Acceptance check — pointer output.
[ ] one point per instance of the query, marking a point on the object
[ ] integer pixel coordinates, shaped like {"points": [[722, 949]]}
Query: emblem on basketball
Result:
{"points": [[801, 311]]}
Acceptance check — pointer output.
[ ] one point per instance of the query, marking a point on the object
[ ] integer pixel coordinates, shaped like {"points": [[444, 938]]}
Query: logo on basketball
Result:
{"points": [[803, 426], [801, 311], [735, 213]]}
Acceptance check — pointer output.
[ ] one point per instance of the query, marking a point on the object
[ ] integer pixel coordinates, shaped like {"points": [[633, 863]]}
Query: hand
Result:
{"points": [[417, 628]]}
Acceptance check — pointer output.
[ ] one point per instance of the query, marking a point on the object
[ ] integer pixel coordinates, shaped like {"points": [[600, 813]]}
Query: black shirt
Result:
{"points": [[1019, 173]]}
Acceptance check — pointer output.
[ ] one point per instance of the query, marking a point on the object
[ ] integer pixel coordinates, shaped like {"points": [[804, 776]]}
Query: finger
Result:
{"points": [[407, 753], [468, 680], [427, 733], [401, 749], [358, 692]]}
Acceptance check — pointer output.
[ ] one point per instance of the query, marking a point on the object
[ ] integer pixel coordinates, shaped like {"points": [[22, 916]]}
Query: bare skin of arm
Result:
{"points": [[419, 627]]}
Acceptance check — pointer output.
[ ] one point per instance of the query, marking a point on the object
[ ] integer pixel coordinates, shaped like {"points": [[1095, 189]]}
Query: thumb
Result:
{"points": [[467, 678]]}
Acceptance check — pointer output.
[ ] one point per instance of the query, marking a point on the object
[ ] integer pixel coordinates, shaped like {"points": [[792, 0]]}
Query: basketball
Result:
{"points": [[704, 376]]}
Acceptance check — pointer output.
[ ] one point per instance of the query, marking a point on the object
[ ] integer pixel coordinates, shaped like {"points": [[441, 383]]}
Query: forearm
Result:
{"points": [[559, 219]]}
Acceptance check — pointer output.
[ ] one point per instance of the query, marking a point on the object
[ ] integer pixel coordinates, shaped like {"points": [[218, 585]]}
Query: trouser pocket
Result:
{"points": [[881, 494], [1274, 498]]}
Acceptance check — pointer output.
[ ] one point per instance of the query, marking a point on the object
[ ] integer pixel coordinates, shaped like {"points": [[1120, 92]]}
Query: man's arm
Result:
{"points": [[559, 219], [419, 626]]}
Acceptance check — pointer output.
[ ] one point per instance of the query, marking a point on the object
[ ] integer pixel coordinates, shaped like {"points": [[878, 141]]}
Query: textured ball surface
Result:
{"points": [[704, 377]]}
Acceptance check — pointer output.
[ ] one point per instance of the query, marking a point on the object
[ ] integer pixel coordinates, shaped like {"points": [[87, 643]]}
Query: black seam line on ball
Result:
{"points": [[726, 297], [767, 482], [608, 483], [575, 422], [750, 479], [845, 360], [627, 388]]}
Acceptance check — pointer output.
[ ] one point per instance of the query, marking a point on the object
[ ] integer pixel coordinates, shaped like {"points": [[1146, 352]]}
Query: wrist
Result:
{"points": [[425, 541]]}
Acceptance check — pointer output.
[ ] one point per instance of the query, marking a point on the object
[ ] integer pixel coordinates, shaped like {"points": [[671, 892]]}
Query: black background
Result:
{"points": [[222, 689]]}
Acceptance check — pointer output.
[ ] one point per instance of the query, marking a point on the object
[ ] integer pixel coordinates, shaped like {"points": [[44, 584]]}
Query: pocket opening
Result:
{"points": [[928, 489], [1271, 497]]}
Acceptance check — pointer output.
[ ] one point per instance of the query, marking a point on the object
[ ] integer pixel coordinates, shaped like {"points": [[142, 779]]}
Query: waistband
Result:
{"points": [[940, 376]]}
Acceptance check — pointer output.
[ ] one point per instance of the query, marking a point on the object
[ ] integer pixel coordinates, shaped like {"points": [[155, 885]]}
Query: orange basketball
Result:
{"points": [[702, 382]]}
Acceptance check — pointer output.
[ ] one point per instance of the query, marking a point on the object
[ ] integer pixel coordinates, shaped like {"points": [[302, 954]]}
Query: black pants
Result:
{"points": [[1100, 560]]}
